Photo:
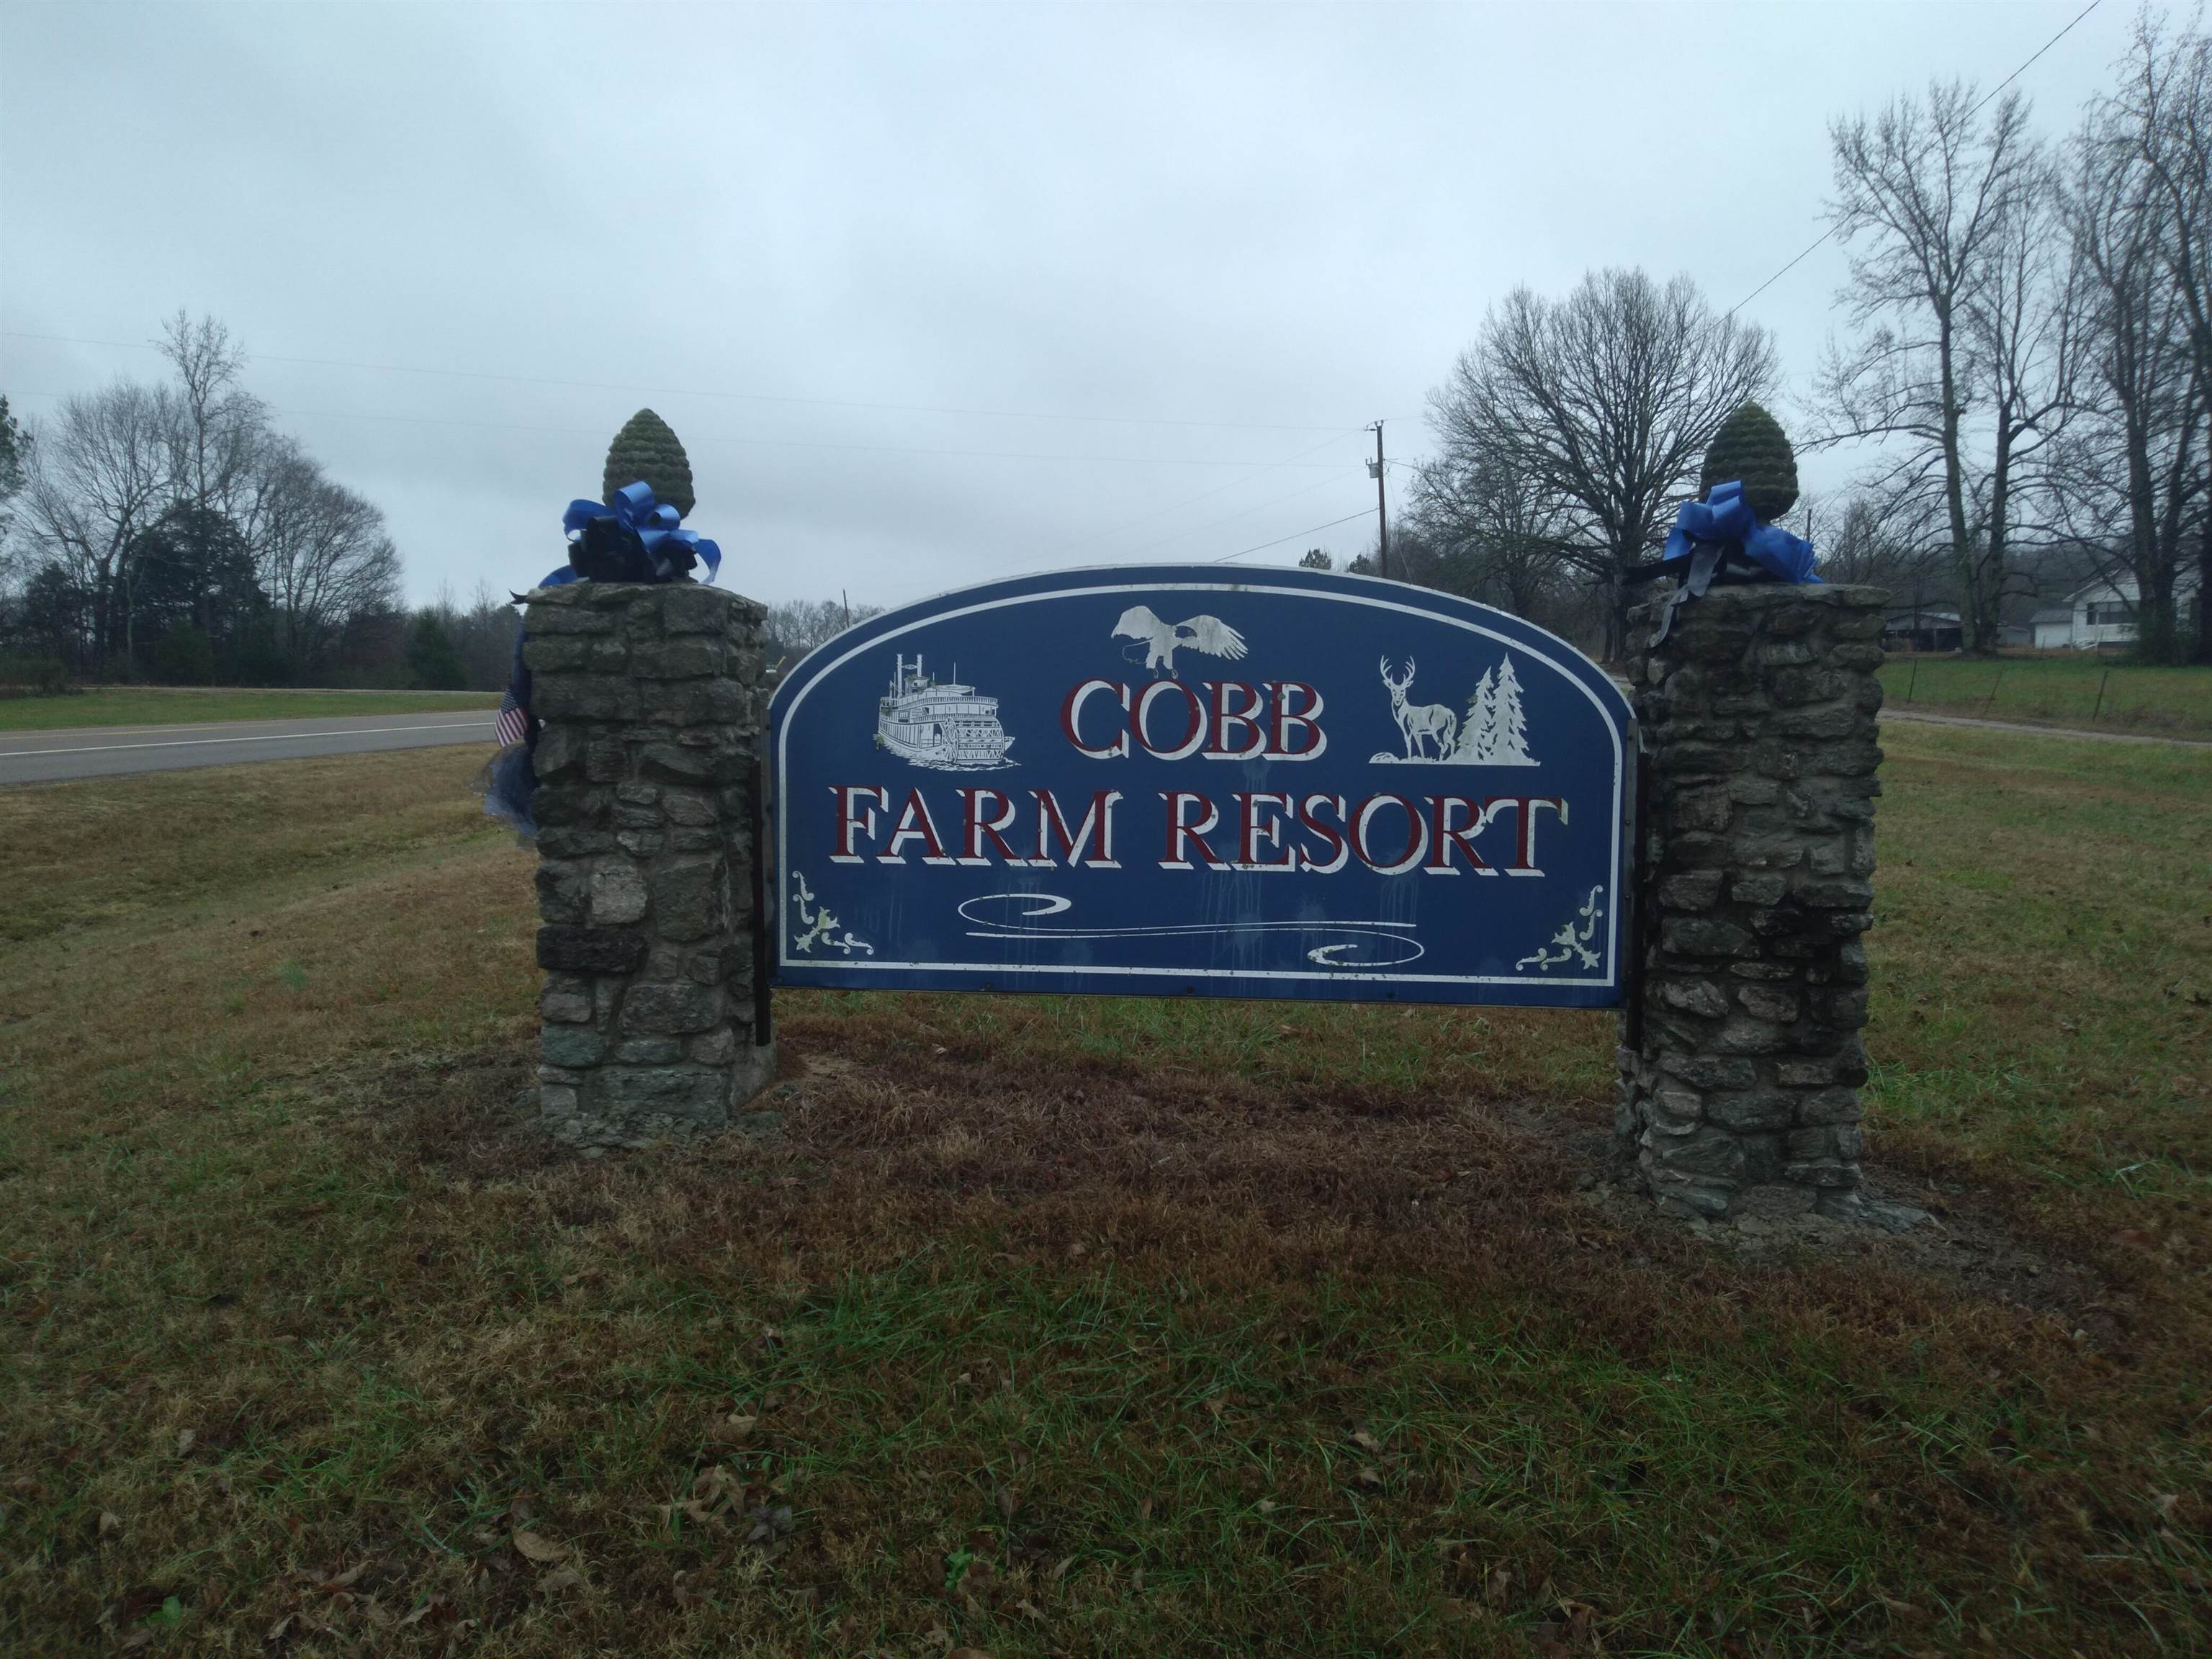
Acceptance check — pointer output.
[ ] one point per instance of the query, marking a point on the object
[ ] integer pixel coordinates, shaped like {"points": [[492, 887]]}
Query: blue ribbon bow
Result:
{"points": [[656, 526], [1725, 518]]}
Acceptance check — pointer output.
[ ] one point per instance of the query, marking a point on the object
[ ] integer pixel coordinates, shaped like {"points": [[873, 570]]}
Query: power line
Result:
{"points": [[2033, 55], [680, 392], [1230, 518], [1828, 235], [1292, 537], [1204, 494], [711, 438]]}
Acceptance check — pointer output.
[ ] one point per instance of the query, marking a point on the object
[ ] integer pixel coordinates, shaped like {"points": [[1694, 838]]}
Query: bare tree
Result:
{"points": [[1951, 288], [2161, 120], [221, 426], [1501, 540], [1603, 403], [1894, 541], [101, 471], [797, 626], [2130, 480], [321, 552]]}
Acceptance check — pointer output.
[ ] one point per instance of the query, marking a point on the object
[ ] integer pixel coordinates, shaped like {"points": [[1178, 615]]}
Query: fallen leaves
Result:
{"points": [[769, 1523], [1574, 1630], [535, 1546]]}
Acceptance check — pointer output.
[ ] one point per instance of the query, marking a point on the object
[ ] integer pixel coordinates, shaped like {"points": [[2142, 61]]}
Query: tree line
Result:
{"points": [[170, 532], [2025, 358]]}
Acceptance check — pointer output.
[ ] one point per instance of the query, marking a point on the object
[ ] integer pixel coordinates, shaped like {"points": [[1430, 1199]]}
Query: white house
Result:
{"points": [[2104, 613]]}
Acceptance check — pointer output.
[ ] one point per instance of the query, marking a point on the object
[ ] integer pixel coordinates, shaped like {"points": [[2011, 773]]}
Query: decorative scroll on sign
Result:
{"points": [[1171, 780]]}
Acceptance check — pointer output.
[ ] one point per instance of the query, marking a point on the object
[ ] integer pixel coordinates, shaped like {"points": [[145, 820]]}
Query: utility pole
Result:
{"points": [[1381, 519]]}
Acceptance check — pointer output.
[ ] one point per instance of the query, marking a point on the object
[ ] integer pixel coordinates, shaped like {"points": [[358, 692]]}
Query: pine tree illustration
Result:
{"points": [[1479, 735], [1508, 732]]}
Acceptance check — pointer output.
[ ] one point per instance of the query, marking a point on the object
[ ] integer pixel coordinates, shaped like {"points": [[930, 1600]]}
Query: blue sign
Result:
{"points": [[1182, 780]]}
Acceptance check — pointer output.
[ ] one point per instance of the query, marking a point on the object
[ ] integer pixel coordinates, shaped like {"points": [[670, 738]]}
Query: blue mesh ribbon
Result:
{"points": [[1725, 519], [657, 526]]}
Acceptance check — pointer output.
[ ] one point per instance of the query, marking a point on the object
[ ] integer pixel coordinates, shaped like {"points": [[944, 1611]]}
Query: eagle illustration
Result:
{"points": [[1162, 640]]}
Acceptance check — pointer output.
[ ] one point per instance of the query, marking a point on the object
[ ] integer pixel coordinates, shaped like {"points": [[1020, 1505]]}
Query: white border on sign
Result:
{"points": [[1336, 976]]}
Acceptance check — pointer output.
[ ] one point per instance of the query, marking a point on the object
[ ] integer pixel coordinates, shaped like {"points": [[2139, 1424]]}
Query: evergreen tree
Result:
{"points": [[193, 568], [1508, 730], [432, 660], [184, 656], [1479, 735]]}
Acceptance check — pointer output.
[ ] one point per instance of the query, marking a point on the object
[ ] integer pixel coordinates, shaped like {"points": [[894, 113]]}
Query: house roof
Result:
{"points": [[2061, 613], [2186, 580]]}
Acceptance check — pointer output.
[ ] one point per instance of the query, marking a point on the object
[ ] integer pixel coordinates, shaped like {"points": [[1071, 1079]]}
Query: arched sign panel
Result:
{"points": [[1178, 781]]}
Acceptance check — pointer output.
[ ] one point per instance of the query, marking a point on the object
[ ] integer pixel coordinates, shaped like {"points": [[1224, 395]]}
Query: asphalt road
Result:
{"points": [[101, 752]]}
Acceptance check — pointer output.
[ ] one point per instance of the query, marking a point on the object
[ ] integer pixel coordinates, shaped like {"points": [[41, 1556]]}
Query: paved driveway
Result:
{"points": [[101, 752]]}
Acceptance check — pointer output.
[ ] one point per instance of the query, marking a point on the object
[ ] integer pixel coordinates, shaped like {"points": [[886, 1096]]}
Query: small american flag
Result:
{"points": [[513, 720]]}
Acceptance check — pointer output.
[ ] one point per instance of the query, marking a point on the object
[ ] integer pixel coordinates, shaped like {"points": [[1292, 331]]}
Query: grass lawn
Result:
{"points": [[1092, 1328], [2085, 691], [164, 705]]}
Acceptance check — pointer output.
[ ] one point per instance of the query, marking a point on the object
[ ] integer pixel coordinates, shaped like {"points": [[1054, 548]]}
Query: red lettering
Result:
{"points": [[1417, 836], [1181, 831], [1524, 864], [1070, 720], [1309, 719], [1097, 822], [1225, 717], [974, 826], [845, 794], [1339, 851], [914, 824], [1462, 836], [1252, 827], [1195, 711]]}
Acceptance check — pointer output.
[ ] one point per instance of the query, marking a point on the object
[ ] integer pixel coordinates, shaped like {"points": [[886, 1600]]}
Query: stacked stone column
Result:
{"points": [[647, 764], [1744, 1061]]}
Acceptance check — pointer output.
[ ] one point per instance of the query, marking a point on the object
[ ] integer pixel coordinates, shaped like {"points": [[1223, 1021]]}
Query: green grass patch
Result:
{"points": [[1077, 1326], [146, 705], [2096, 694]]}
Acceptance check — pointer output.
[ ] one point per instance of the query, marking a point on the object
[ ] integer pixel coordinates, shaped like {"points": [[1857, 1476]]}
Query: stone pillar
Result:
{"points": [[649, 767], [1742, 1059]]}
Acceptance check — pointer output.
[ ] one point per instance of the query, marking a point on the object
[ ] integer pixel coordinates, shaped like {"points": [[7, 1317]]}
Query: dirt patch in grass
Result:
{"points": [[871, 1157]]}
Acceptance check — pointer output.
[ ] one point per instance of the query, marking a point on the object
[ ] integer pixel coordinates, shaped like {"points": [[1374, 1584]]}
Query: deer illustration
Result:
{"points": [[1418, 721]]}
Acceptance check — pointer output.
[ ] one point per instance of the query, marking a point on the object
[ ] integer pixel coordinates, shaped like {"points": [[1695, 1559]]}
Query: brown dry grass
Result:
{"points": [[1095, 1328]]}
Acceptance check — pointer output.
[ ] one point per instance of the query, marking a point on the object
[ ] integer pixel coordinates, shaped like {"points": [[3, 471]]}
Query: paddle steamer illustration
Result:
{"points": [[948, 726]]}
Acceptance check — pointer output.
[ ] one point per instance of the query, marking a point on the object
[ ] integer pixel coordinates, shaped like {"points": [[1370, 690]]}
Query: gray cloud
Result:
{"points": [[1287, 219]]}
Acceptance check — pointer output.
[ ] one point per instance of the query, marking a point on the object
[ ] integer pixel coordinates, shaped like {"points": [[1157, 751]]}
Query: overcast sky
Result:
{"points": [[931, 293]]}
